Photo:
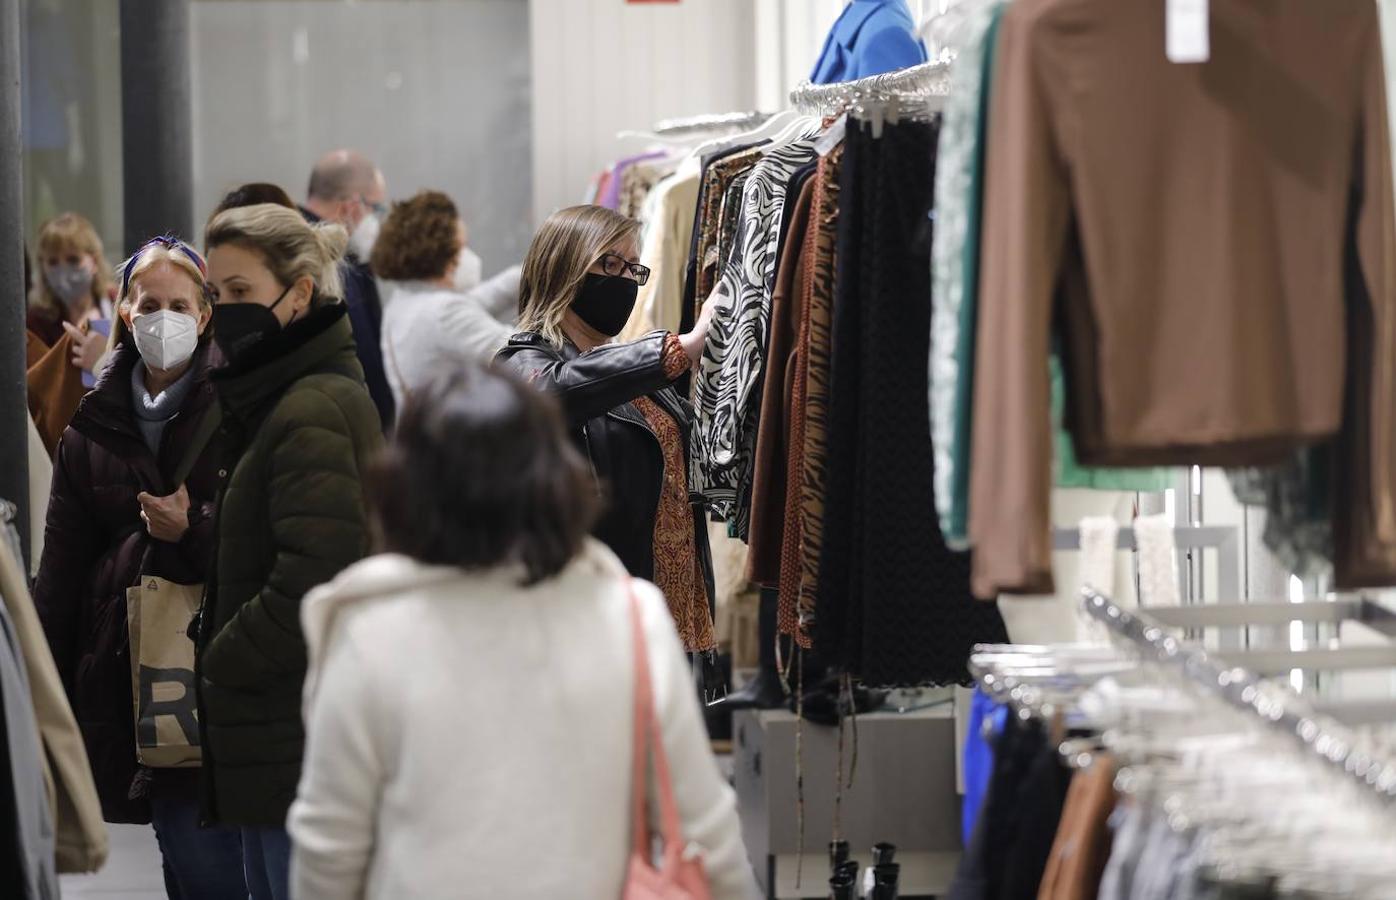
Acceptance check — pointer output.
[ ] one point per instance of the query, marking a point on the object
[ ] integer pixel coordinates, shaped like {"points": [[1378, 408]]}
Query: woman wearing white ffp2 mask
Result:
{"points": [[166, 338], [117, 515]]}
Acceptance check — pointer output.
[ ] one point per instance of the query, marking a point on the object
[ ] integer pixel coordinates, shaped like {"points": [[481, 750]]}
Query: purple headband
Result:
{"points": [[165, 240]]}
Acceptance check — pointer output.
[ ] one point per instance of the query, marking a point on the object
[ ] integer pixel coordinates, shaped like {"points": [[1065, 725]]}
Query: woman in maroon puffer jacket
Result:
{"points": [[113, 518]]}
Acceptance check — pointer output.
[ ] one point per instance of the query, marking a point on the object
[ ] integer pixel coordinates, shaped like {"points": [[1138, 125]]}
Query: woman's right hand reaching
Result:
{"points": [[694, 341]]}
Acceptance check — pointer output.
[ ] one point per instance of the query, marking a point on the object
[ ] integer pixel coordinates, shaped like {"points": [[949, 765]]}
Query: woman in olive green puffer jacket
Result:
{"points": [[298, 427]]}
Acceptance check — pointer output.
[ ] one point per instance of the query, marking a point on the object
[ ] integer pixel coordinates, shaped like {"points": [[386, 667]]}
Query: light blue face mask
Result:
{"points": [[69, 283]]}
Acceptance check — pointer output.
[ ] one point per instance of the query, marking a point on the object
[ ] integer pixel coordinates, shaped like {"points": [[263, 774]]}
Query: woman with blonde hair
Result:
{"points": [[298, 430], [578, 287], [69, 300], [115, 517], [75, 281]]}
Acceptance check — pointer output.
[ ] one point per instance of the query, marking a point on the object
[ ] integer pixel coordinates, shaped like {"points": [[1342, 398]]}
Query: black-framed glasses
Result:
{"points": [[615, 264]]}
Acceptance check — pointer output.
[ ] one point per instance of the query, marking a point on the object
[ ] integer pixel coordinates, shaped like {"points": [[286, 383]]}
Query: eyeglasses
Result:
{"points": [[615, 264]]}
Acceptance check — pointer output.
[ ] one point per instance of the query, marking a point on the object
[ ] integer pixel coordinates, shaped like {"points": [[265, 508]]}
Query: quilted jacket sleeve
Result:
{"points": [[71, 547], [319, 526]]}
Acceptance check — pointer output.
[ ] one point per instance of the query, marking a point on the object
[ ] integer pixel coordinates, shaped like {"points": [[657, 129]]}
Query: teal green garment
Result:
{"points": [[956, 525], [1068, 473]]}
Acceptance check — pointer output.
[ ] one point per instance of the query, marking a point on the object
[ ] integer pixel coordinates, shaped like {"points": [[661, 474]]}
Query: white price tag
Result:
{"points": [[833, 137], [1188, 31]]}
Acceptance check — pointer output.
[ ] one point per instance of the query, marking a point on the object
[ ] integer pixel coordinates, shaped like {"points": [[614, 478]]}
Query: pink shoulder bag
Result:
{"points": [[679, 876]]}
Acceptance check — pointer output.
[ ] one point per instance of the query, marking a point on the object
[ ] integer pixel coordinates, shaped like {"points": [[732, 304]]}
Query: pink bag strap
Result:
{"points": [[648, 740]]}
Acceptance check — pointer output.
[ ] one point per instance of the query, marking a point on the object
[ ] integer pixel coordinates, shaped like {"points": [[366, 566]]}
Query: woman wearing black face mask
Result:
{"points": [[577, 290], [298, 426]]}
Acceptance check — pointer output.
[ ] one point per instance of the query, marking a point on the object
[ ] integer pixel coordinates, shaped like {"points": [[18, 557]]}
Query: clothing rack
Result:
{"points": [[691, 124], [1319, 736], [921, 82]]}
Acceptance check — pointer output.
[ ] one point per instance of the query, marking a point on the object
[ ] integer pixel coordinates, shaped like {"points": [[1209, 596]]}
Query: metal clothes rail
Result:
{"points": [[1320, 736], [923, 81]]}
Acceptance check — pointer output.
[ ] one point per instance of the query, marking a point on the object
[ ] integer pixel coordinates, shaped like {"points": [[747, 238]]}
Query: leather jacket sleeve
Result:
{"points": [[594, 382]]}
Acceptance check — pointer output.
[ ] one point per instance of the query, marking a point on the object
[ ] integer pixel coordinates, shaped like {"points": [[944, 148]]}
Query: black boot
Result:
{"points": [[838, 855], [885, 878], [825, 703], [842, 887], [765, 690]]}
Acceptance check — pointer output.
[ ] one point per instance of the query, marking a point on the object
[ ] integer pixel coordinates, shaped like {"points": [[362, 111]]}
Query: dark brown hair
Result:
{"points": [[480, 471], [419, 240], [251, 194]]}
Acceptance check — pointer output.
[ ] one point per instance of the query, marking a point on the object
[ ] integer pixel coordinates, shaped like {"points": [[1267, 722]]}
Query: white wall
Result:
{"points": [[789, 36], [435, 91], [605, 66]]}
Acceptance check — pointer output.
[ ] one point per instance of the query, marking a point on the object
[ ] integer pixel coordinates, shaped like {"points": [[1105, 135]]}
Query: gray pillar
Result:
{"points": [[156, 121], [14, 407]]}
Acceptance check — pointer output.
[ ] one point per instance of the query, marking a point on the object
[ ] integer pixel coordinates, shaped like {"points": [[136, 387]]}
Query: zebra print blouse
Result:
{"points": [[727, 386]]}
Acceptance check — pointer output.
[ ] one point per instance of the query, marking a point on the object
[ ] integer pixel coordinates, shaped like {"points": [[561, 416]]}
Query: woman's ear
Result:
{"points": [[302, 293], [205, 316], [124, 310]]}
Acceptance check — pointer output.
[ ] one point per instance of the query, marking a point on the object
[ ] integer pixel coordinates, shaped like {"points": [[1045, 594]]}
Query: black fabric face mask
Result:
{"points": [[605, 302], [238, 327]]}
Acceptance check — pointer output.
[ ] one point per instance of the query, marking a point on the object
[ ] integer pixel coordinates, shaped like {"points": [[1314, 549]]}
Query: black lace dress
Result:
{"points": [[893, 604]]}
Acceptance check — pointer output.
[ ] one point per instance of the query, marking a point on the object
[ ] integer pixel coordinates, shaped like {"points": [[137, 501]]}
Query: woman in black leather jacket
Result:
{"points": [[578, 288]]}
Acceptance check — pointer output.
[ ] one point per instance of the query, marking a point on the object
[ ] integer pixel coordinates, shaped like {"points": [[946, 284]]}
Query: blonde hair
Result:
{"points": [[68, 231], [557, 262], [150, 255], [291, 247]]}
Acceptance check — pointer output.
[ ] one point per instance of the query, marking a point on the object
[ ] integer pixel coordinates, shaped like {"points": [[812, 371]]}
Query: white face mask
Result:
{"points": [[166, 339], [468, 269], [364, 236]]}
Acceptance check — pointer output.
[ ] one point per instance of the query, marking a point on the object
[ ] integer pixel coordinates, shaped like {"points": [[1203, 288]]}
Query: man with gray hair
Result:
{"points": [[347, 188]]}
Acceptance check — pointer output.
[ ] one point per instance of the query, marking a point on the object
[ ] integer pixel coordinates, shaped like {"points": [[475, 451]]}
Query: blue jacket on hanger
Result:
{"points": [[871, 37]]}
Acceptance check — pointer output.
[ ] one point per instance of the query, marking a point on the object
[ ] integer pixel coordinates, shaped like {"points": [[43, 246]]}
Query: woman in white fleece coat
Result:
{"points": [[469, 698]]}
